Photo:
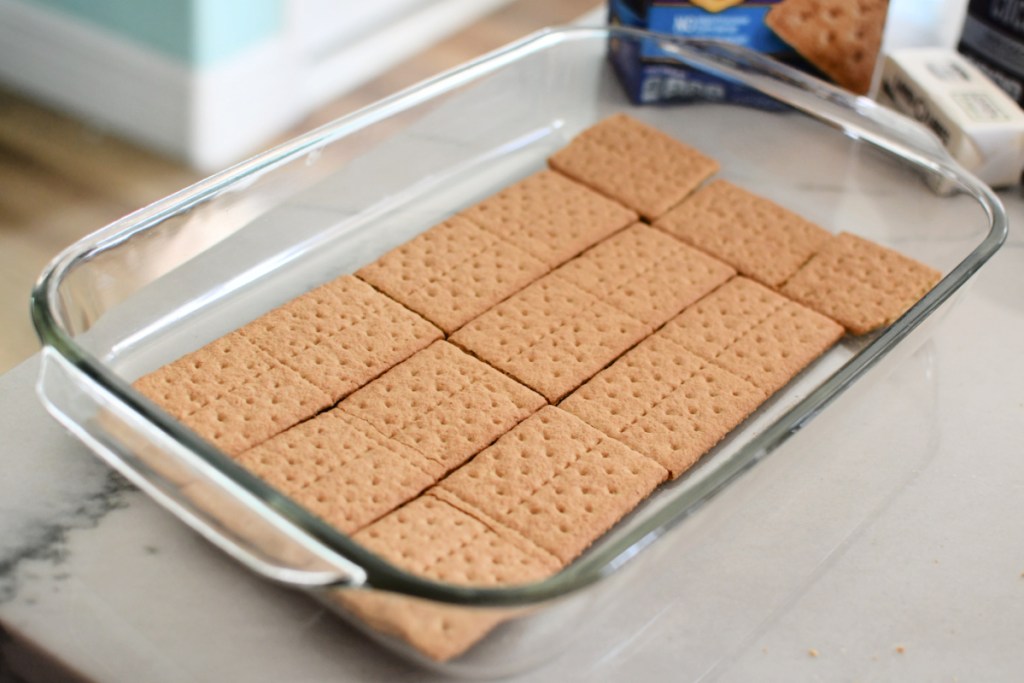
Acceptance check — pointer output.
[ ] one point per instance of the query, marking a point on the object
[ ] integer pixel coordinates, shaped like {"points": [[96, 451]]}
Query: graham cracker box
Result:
{"points": [[837, 40]]}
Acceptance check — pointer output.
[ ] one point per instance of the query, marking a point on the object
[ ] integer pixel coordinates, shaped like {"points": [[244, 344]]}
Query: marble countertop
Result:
{"points": [[912, 576], [896, 557]]}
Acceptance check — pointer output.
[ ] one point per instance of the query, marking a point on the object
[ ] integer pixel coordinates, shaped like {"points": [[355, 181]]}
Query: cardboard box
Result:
{"points": [[834, 39]]}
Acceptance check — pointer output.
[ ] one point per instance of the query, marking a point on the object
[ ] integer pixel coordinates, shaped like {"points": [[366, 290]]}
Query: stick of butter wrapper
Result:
{"points": [[977, 122]]}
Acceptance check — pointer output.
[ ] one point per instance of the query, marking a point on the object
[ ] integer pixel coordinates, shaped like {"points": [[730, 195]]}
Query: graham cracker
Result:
{"points": [[453, 272], [840, 37], [550, 216], [433, 539], [341, 335], [232, 394], [665, 402], [634, 164], [552, 336], [555, 480], [860, 284], [443, 403], [342, 469], [645, 273], [754, 333], [756, 236]]}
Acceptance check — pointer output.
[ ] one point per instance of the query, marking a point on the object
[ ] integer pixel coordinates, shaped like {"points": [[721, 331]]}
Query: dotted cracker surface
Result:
{"points": [[233, 394], [550, 216], [552, 336], [754, 333], [645, 273], [453, 272], [342, 469], [859, 283], [756, 236], [840, 37], [530, 486], [435, 540], [387, 442], [665, 402], [444, 403], [637, 165], [341, 335], [556, 481]]}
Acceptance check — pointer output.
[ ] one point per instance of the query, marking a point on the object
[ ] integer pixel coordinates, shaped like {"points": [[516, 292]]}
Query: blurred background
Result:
{"points": [[108, 105]]}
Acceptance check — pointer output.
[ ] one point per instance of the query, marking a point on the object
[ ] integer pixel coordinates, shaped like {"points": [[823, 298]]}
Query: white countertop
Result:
{"points": [[892, 552]]}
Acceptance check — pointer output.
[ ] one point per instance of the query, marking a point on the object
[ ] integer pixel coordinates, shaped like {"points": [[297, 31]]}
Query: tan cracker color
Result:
{"points": [[444, 403], [550, 216], [390, 440], [453, 272], [840, 37], [552, 336], [430, 538], [635, 164], [555, 480], [756, 236], [860, 284], [645, 273], [665, 402], [341, 335], [754, 333], [232, 394], [342, 469], [681, 390]]}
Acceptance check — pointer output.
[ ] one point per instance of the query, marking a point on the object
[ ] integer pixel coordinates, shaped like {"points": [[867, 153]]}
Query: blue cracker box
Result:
{"points": [[650, 75]]}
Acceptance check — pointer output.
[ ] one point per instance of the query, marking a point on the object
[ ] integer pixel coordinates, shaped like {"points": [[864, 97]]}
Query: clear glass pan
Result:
{"points": [[196, 265]]}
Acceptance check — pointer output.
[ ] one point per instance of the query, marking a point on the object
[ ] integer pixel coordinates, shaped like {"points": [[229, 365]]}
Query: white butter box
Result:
{"points": [[976, 121]]}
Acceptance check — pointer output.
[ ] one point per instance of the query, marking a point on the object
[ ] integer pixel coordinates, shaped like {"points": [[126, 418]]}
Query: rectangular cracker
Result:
{"points": [[645, 273], [433, 539], [759, 238], [342, 469], [754, 333], [634, 164], [840, 37], [550, 216], [390, 440], [453, 272], [860, 284], [552, 336], [341, 335], [443, 403], [555, 480], [665, 402], [233, 394]]}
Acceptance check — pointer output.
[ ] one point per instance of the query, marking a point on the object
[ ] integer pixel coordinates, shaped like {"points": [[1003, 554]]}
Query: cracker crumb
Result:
{"points": [[900, 649], [812, 652]]}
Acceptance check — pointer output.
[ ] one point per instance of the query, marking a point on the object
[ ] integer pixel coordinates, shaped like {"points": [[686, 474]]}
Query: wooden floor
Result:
{"points": [[61, 179]]}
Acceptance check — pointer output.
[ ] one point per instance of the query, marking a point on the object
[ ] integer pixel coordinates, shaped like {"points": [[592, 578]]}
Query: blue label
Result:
{"points": [[742, 25]]}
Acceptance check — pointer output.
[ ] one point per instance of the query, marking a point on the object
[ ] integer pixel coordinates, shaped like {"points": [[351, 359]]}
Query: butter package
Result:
{"points": [[976, 121], [834, 39]]}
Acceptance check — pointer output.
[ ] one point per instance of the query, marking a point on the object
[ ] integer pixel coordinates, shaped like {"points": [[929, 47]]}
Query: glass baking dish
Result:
{"points": [[192, 267]]}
